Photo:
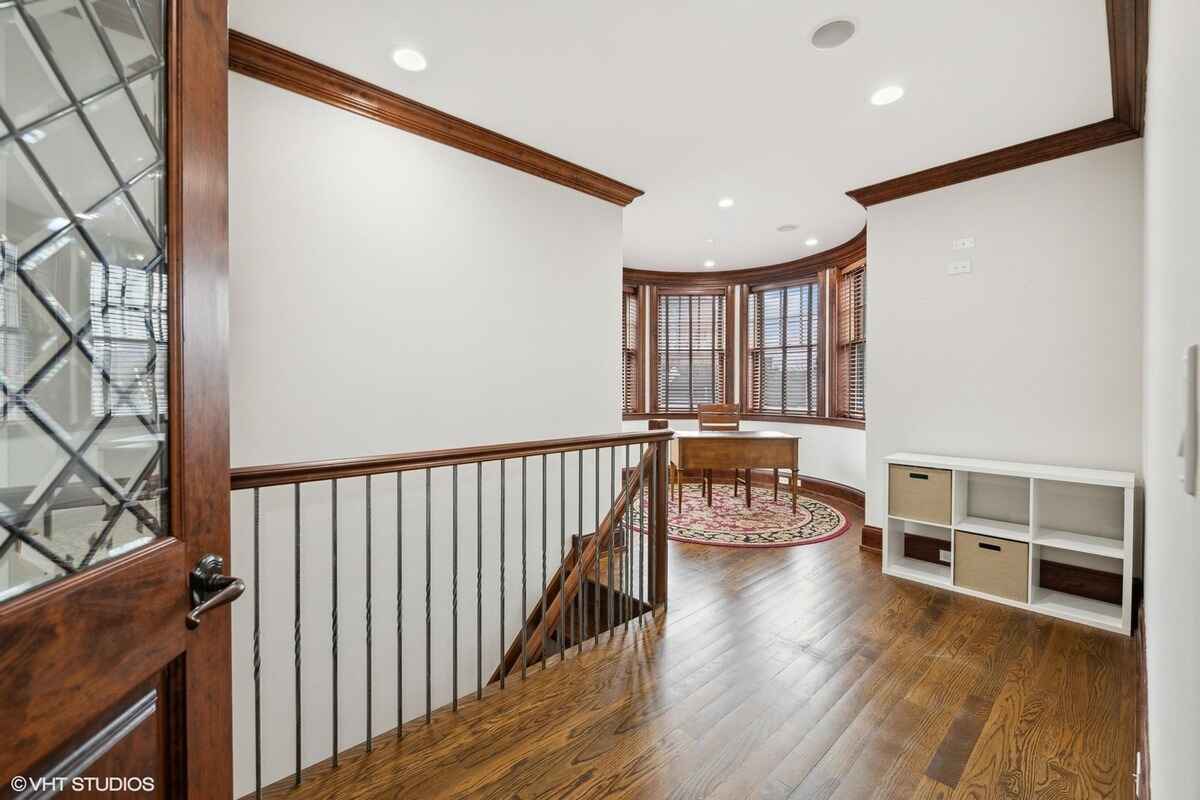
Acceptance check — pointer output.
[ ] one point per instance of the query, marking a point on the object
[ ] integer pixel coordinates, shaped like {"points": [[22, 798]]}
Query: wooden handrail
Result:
{"points": [[308, 471]]}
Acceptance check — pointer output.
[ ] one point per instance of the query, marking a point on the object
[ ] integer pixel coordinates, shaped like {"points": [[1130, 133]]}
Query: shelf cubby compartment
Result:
{"points": [[903, 566], [992, 505], [1083, 518], [1079, 609]]}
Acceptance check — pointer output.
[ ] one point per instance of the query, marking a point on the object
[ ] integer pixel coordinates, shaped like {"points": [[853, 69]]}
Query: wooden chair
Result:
{"points": [[713, 417]]}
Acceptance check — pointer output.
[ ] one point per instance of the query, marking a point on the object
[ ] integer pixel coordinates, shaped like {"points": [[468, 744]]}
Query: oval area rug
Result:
{"points": [[767, 523]]}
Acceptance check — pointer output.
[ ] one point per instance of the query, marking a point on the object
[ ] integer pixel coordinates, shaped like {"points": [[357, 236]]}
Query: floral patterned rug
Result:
{"points": [[767, 523]]}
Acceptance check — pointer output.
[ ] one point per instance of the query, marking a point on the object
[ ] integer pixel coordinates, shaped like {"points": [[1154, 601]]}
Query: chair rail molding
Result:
{"points": [[287, 70]]}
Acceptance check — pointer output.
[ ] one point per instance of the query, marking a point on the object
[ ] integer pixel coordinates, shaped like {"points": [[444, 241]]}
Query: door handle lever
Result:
{"points": [[210, 588]]}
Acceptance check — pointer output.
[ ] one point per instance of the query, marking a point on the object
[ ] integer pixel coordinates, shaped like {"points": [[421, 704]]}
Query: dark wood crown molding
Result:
{"points": [[1128, 48], [843, 255], [1035, 151], [266, 62]]}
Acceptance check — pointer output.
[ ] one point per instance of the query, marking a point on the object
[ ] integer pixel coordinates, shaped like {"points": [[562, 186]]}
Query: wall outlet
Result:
{"points": [[966, 243], [959, 267]]}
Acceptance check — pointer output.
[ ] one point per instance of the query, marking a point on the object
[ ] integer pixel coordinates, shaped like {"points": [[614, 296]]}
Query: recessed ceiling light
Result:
{"points": [[410, 60], [833, 34], [786, 228], [710, 263], [811, 241], [887, 95], [725, 202]]}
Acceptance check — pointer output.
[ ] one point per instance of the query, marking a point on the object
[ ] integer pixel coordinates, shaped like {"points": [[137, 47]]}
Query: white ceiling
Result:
{"points": [[697, 99]]}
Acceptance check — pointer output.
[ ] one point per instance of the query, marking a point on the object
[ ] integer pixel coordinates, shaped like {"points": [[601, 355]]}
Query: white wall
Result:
{"points": [[1036, 354], [1172, 557], [390, 294], [827, 452]]}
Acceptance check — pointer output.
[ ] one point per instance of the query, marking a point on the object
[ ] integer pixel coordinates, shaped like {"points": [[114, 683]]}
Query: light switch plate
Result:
{"points": [[966, 243], [944, 555], [959, 267]]}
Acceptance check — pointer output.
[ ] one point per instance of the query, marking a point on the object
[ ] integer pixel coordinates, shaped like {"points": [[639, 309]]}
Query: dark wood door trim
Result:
{"points": [[266, 62], [198, 260], [1128, 46]]}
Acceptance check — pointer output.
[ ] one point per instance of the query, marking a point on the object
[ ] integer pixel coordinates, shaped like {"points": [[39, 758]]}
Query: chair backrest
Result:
{"points": [[719, 416]]}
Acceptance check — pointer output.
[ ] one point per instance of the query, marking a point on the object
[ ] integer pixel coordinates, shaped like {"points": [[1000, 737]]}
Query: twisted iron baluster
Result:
{"points": [[428, 598], [257, 664], [370, 744], [399, 605], [296, 633], [454, 589], [334, 616]]}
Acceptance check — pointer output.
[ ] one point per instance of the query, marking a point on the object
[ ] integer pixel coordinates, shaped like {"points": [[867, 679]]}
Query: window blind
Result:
{"points": [[129, 341], [852, 343], [630, 390], [691, 351], [784, 327]]}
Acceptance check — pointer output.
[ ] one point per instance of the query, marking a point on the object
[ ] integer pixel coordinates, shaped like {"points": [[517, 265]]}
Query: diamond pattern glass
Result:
{"points": [[83, 287]]}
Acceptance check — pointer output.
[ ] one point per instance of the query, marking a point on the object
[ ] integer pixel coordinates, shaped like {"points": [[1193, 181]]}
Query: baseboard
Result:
{"points": [[765, 478], [1143, 715], [872, 539]]}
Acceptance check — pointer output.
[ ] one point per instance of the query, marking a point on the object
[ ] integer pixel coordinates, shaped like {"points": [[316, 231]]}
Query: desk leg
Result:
{"points": [[749, 487], [793, 481], [708, 483], [775, 473]]}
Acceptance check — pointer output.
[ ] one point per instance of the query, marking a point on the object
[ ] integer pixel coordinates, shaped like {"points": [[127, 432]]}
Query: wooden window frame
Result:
{"points": [[838, 386], [725, 291], [819, 277], [637, 391]]}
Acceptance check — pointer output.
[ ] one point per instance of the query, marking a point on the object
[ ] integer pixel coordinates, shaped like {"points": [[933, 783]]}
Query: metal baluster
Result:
{"points": [[626, 563], [544, 581], [612, 532], [454, 588], [428, 598], [524, 588], [479, 581], [257, 664], [370, 744], [596, 550], [400, 605], [334, 616], [503, 654], [562, 554], [579, 564], [296, 631], [652, 492], [641, 530]]}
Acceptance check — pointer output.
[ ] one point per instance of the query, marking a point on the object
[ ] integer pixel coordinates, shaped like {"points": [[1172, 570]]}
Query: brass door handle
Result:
{"points": [[210, 588]]}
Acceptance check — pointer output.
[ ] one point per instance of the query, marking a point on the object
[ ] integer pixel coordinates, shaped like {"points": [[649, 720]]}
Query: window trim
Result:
{"points": [[727, 292], [817, 277], [735, 285], [839, 402], [638, 390]]}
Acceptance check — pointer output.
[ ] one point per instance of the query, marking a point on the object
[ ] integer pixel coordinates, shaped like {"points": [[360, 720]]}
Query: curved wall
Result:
{"points": [[827, 452]]}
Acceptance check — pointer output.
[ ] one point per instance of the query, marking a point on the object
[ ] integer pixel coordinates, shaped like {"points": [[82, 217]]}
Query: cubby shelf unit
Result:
{"points": [[1084, 516]]}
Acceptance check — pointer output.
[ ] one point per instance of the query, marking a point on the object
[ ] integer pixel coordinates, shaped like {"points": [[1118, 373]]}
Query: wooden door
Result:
{"points": [[114, 427]]}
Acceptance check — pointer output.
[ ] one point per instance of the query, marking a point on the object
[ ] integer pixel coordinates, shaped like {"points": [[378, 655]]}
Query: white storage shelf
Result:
{"points": [[1084, 511]]}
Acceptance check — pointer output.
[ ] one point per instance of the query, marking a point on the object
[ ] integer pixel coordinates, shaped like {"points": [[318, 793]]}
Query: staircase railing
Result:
{"points": [[474, 518]]}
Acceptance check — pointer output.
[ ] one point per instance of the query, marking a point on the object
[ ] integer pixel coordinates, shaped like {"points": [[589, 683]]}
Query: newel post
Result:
{"points": [[661, 502]]}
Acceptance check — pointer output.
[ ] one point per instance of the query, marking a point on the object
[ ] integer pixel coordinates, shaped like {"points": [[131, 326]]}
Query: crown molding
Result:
{"points": [[287, 70], [843, 255], [1035, 151], [1128, 48]]}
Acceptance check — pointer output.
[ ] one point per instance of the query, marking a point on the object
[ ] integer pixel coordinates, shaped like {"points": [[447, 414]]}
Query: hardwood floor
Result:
{"points": [[797, 672]]}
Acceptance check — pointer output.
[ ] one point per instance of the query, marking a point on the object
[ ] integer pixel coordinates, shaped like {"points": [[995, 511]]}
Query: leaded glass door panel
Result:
{"points": [[112, 239]]}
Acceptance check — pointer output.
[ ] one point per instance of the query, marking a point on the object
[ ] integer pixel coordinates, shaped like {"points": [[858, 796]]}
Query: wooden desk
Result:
{"points": [[737, 450]]}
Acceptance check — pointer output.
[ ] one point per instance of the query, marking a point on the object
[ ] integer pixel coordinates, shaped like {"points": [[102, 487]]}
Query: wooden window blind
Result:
{"points": [[852, 342], [783, 349], [690, 353], [631, 394]]}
